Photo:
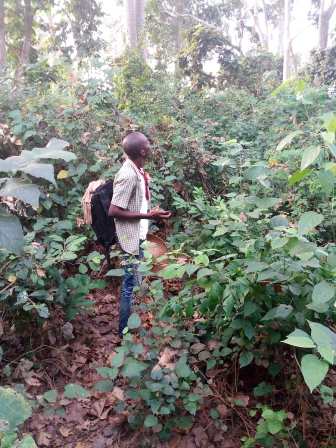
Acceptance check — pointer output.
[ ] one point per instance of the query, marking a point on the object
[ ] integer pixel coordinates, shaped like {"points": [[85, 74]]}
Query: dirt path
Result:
{"points": [[72, 357], [62, 353]]}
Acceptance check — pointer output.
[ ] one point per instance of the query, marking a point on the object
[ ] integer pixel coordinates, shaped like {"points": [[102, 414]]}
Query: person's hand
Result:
{"points": [[158, 213]]}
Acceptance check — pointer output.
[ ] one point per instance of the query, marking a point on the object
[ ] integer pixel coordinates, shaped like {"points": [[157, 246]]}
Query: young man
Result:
{"points": [[129, 207]]}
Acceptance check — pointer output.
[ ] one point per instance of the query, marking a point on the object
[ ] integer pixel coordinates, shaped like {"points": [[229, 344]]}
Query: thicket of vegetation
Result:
{"points": [[236, 331]]}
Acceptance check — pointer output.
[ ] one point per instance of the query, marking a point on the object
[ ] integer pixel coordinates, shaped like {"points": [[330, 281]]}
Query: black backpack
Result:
{"points": [[102, 224]]}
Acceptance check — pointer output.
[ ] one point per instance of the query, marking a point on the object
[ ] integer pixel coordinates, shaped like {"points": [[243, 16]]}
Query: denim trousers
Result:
{"points": [[130, 280]]}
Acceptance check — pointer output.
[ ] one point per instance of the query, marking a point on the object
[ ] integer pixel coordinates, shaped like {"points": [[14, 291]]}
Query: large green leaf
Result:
{"points": [[118, 359], [279, 221], [298, 176], [332, 148], [150, 421], [245, 358], [329, 122], [11, 234], [27, 442], [134, 321], [313, 370], [133, 368], [50, 395], [14, 409], [302, 249], [26, 161], [53, 150], [327, 181], [23, 191], [287, 140], [41, 170], [279, 312], [107, 372], [309, 156], [13, 163], [299, 338], [265, 203], [323, 292], [258, 171], [173, 271], [182, 369], [256, 266], [322, 335], [75, 391], [308, 221]]}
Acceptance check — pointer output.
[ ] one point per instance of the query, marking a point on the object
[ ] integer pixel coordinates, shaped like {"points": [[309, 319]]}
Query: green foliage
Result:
{"points": [[251, 181], [75, 391], [15, 409], [165, 388], [272, 429]]}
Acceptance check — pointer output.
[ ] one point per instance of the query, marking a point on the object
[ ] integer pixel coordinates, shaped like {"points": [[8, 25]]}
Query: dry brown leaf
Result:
{"points": [[223, 410], [166, 356], [98, 408], [196, 348], [65, 431], [43, 439], [118, 393], [40, 272], [31, 380]]}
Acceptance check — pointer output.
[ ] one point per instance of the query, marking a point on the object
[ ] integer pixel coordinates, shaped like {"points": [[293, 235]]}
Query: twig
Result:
{"points": [[6, 287], [41, 347], [247, 424]]}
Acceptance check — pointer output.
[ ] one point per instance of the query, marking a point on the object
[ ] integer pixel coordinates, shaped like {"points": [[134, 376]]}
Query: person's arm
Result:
{"points": [[122, 192], [121, 213]]}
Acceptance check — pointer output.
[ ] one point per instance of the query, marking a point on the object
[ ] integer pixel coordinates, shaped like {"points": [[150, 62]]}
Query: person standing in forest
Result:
{"points": [[130, 207]]}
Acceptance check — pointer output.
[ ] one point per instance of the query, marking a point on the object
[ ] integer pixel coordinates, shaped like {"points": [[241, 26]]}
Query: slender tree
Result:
{"points": [[135, 13], [27, 32], [286, 46], [2, 35], [27, 40], [325, 14]]}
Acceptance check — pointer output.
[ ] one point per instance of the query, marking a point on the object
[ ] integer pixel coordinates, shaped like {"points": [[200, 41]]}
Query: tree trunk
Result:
{"points": [[280, 36], [2, 35], [28, 32], [131, 23], [27, 40], [178, 35], [135, 13], [140, 18], [286, 46], [263, 38], [267, 31], [324, 22]]}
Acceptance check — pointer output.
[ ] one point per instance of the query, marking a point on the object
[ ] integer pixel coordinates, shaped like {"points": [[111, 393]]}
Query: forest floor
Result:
{"points": [[64, 354], [60, 353]]}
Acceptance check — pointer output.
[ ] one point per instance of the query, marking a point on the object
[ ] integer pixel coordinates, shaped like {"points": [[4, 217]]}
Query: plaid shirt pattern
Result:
{"points": [[127, 194]]}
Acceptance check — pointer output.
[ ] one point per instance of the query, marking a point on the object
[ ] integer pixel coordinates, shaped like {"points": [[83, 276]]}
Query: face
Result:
{"points": [[145, 149]]}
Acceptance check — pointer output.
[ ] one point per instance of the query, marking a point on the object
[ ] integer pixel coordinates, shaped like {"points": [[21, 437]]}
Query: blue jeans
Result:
{"points": [[130, 280]]}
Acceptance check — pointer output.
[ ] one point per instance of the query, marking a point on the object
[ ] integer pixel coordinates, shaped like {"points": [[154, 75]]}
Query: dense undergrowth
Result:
{"points": [[251, 183]]}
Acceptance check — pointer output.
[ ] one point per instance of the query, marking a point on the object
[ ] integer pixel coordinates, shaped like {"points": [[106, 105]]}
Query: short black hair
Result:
{"points": [[133, 143]]}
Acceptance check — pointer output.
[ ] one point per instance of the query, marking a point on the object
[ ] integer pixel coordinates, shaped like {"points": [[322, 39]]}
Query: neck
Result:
{"points": [[140, 162]]}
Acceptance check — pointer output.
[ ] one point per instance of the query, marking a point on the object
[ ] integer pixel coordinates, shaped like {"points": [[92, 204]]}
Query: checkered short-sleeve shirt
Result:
{"points": [[127, 194]]}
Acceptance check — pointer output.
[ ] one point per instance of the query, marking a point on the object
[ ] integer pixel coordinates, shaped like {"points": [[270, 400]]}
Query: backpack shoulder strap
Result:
{"points": [[86, 200]]}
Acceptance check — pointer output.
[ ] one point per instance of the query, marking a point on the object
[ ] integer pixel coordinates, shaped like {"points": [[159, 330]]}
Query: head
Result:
{"points": [[137, 147]]}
